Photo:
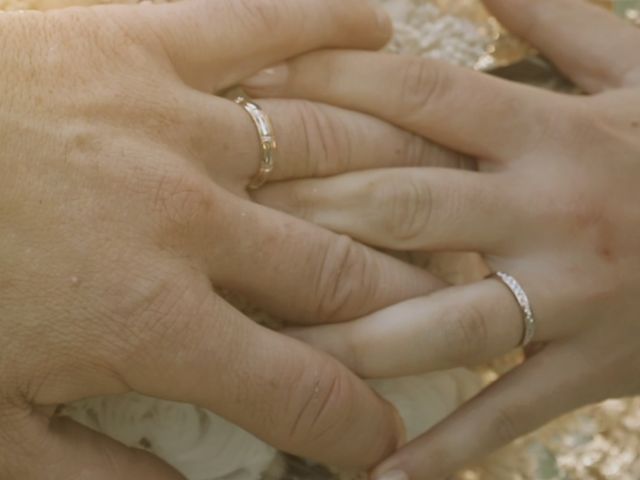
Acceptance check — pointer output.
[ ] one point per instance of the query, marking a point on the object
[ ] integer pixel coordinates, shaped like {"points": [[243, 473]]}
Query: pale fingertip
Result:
{"points": [[267, 79], [384, 23]]}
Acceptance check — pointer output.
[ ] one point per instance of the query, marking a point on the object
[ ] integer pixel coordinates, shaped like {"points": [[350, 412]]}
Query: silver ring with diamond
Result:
{"points": [[523, 302], [268, 145]]}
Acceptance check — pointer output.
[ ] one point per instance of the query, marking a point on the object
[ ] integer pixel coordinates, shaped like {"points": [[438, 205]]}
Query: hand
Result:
{"points": [[555, 203], [122, 201]]}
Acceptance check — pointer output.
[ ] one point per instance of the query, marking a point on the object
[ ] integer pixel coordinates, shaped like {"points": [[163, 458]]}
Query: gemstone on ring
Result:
{"points": [[523, 301]]}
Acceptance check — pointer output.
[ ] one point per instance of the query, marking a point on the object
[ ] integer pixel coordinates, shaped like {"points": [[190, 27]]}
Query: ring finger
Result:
{"points": [[465, 325], [407, 209], [313, 140]]}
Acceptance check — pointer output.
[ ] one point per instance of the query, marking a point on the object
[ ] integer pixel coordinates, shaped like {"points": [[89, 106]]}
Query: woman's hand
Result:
{"points": [[122, 200], [555, 202]]}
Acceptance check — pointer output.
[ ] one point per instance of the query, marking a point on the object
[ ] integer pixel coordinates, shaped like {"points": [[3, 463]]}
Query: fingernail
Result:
{"points": [[268, 78], [391, 475], [384, 20]]}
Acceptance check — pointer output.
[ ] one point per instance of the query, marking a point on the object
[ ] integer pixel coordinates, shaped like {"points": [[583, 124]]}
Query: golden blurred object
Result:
{"points": [[502, 48], [633, 15]]}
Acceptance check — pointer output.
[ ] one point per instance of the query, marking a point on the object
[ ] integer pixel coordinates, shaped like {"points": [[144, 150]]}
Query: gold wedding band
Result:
{"points": [[268, 145]]}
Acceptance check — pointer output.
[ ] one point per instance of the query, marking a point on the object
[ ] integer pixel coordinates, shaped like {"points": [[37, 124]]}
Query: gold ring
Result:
{"points": [[268, 144]]}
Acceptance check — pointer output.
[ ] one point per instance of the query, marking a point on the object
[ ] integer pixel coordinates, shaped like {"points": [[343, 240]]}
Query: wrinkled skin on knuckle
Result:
{"points": [[325, 139], [169, 312], [170, 316], [416, 151], [184, 203], [422, 82], [321, 402], [346, 281], [406, 204]]}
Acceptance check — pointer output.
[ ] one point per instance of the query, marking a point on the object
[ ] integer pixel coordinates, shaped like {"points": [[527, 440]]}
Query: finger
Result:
{"points": [[63, 449], [316, 140], [214, 43], [518, 403], [301, 272], [594, 48], [457, 326], [291, 268], [405, 209], [421, 95], [300, 400]]}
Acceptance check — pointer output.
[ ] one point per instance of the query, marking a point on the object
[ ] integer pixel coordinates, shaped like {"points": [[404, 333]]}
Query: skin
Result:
{"points": [[554, 201], [123, 209]]}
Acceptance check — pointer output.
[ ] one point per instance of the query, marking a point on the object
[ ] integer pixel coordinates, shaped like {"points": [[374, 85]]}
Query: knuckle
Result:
{"points": [[345, 282], [154, 319], [407, 204], [326, 140], [161, 317], [182, 199], [467, 331], [321, 406], [422, 82], [416, 151]]}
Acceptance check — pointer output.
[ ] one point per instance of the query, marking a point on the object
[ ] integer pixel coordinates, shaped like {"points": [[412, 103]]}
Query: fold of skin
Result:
{"points": [[203, 446]]}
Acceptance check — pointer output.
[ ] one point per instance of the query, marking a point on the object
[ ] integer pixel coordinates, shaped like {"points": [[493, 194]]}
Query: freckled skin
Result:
{"points": [[123, 202]]}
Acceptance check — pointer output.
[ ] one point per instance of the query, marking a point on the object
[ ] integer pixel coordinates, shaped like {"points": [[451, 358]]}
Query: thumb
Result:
{"points": [[61, 449], [227, 41]]}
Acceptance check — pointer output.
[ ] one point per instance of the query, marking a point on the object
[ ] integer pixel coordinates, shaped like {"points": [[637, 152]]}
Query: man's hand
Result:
{"points": [[122, 202]]}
